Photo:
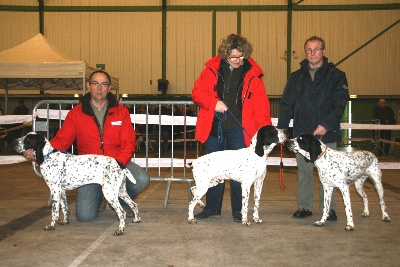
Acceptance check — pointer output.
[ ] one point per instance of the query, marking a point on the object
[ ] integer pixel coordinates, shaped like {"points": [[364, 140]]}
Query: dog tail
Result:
{"points": [[189, 165], [129, 175]]}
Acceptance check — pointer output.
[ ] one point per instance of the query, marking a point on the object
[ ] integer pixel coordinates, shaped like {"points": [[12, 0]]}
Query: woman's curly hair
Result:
{"points": [[234, 41]]}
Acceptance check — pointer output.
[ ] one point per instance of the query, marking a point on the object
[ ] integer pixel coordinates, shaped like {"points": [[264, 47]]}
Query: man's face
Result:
{"points": [[314, 53], [99, 86]]}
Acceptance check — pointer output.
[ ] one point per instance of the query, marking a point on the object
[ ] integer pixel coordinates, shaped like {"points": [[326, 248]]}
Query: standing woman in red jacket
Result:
{"points": [[232, 81]]}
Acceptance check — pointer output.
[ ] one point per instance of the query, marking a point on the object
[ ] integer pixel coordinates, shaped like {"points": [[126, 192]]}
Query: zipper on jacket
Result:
{"points": [[245, 94]]}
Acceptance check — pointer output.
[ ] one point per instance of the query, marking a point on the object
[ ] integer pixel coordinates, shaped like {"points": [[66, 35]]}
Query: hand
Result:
{"points": [[29, 154], [320, 130], [220, 107], [122, 166]]}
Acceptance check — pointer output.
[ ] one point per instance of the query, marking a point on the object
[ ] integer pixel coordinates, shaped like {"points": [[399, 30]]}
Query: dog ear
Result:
{"points": [[266, 136], [37, 143], [315, 149], [261, 135]]}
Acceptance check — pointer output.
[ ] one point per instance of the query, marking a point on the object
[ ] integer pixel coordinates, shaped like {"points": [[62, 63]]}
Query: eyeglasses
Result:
{"points": [[102, 85], [316, 50], [235, 57]]}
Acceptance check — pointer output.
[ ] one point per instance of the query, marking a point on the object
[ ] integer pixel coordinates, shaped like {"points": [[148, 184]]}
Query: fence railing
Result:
{"points": [[158, 124]]}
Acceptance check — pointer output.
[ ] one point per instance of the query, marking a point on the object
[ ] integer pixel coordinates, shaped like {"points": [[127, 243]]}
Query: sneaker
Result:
{"points": [[237, 217], [332, 216], [205, 214], [302, 213]]}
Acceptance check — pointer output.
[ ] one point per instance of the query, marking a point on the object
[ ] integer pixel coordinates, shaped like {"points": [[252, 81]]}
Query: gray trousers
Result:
{"points": [[305, 184]]}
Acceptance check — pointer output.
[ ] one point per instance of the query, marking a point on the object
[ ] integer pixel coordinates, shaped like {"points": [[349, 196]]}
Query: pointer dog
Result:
{"points": [[340, 169], [246, 166], [63, 172]]}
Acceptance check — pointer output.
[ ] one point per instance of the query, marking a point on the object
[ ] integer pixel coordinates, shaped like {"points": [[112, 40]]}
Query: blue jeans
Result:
{"points": [[232, 139], [90, 197], [305, 184]]}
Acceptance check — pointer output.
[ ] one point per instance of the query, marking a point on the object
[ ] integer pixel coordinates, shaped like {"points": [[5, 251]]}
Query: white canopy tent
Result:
{"points": [[38, 65]]}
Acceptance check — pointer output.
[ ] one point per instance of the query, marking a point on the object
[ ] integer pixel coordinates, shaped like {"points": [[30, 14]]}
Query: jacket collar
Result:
{"points": [[86, 107], [304, 64]]}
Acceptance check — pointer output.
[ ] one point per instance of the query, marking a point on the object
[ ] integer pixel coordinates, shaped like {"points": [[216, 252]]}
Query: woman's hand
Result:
{"points": [[220, 107]]}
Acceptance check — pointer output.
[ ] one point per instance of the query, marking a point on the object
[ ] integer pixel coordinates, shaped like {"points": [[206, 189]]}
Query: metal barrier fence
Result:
{"points": [[149, 118]]}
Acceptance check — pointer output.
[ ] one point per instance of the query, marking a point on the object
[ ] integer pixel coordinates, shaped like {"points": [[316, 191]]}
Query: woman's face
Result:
{"points": [[235, 59]]}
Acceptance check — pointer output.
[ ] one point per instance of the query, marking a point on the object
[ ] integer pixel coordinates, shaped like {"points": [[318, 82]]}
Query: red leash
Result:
{"points": [[282, 182]]}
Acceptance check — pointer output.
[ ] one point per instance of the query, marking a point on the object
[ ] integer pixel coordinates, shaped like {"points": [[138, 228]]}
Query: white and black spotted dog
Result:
{"points": [[340, 169], [63, 172], [246, 166]]}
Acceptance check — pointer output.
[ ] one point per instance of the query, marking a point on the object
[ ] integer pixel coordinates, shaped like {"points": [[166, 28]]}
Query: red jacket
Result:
{"points": [[255, 103], [119, 137]]}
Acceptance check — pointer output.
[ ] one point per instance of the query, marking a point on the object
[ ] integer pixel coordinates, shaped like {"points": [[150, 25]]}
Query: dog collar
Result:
{"points": [[321, 154], [54, 151], [48, 154]]}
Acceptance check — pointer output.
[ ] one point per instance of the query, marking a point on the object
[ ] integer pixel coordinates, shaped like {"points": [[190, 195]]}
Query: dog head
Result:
{"points": [[267, 137], [31, 141], [307, 145]]}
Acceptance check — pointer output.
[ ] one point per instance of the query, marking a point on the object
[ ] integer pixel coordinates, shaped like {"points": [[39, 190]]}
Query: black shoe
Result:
{"points": [[237, 217], [205, 214], [302, 213], [332, 216]]}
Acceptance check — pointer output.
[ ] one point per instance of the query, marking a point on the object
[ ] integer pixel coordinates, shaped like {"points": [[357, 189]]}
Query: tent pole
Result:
{"points": [[6, 99]]}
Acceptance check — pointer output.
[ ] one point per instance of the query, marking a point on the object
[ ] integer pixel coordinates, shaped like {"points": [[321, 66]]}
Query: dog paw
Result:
{"points": [[64, 222], [319, 224], [257, 220], [192, 221], [349, 228], [138, 220], [386, 219], [49, 228], [246, 223], [365, 214], [118, 233]]}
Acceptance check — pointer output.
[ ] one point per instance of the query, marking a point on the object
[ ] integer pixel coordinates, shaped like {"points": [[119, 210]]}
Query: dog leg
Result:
{"points": [[201, 203], [112, 198], [257, 196], [123, 194], [245, 203], [64, 208], [327, 203], [379, 189], [55, 209], [197, 195], [359, 184], [347, 205]]}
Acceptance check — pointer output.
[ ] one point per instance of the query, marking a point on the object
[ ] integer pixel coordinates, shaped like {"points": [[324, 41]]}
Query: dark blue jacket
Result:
{"points": [[312, 103]]}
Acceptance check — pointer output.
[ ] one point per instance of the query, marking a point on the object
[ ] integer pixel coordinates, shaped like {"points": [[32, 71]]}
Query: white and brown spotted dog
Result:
{"points": [[63, 172], [247, 166], [340, 169]]}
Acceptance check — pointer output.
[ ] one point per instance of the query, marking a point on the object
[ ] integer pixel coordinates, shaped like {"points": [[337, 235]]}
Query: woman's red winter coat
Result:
{"points": [[256, 107]]}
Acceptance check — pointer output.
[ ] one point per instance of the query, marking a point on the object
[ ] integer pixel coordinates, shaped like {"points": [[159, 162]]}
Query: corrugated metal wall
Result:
{"points": [[130, 43]]}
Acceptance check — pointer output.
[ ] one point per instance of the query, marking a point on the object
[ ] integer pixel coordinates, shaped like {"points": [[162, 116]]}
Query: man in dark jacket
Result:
{"points": [[385, 115], [315, 96]]}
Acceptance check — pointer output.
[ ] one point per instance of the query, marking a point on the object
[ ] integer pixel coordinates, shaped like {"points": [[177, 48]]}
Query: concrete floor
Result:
{"points": [[164, 238]]}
